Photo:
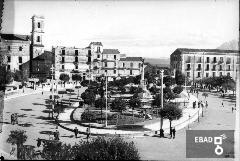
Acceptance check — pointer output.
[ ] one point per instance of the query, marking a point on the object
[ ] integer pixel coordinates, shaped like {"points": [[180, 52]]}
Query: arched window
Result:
{"points": [[39, 25], [38, 38]]}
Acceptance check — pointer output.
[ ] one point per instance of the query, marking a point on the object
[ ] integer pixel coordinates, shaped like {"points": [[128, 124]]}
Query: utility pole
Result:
{"points": [[161, 119], [106, 102], [52, 69]]}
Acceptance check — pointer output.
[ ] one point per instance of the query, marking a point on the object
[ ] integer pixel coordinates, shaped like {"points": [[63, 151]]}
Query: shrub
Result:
{"points": [[178, 89]]}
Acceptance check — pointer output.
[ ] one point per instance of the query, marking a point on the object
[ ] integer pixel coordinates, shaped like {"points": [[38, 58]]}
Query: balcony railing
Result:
{"points": [[188, 69], [214, 61]]}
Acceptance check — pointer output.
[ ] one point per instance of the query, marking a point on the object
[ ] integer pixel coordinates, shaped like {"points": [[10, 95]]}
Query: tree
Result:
{"points": [[168, 94], [88, 97], [100, 103], [118, 104], [157, 101], [134, 102], [76, 77], [106, 149], [178, 89], [17, 137], [168, 81], [205, 95], [171, 111], [179, 78], [64, 77]]}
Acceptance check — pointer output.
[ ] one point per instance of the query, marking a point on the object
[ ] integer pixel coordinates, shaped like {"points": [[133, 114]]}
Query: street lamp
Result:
{"points": [[106, 101], [52, 68], [161, 119]]}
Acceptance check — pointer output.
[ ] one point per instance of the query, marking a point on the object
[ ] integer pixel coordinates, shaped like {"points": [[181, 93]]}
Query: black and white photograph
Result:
{"points": [[119, 80]]}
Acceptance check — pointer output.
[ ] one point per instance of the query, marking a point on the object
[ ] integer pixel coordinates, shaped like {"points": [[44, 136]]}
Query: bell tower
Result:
{"points": [[37, 37]]}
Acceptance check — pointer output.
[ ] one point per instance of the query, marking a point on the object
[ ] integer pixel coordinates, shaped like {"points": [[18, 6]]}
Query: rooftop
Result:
{"points": [[15, 37], [131, 59], [96, 43], [111, 51], [206, 50]]}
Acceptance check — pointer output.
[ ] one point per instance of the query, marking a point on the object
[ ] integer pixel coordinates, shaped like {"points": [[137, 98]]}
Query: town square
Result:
{"points": [[94, 101]]}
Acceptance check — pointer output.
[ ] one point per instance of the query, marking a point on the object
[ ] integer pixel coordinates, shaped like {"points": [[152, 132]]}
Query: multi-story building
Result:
{"points": [[70, 60], [93, 62], [201, 63], [14, 50], [130, 66]]}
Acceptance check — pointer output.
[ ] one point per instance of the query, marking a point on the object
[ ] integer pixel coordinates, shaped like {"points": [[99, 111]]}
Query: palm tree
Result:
{"points": [[17, 137]]}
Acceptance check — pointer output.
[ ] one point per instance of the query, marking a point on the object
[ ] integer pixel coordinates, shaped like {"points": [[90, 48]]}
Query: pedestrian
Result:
{"points": [[161, 133], [232, 109], [199, 104], [88, 133], [57, 135], [75, 132], [42, 92], [206, 104], [39, 141], [171, 132], [12, 118], [222, 104], [174, 132]]}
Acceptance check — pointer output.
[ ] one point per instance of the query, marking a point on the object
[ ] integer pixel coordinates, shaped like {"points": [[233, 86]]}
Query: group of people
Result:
{"points": [[172, 133], [56, 135], [14, 118]]}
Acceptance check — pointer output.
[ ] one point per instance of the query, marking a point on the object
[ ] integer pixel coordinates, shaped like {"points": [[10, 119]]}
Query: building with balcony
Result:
{"points": [[201, 63], [70, 60]]}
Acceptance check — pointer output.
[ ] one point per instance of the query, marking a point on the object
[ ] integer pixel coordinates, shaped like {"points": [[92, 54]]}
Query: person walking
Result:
{"points": [[12, 119], [170, 132], [206, 104], [88, 133], [222, 104], [161, 133], [39, 141], [232, 109], [75, 132], [57, 135], [174, 132]]}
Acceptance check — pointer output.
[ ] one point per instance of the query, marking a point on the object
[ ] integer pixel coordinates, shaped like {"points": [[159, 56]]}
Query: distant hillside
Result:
{"points": [[231, 45], [162, 62]]}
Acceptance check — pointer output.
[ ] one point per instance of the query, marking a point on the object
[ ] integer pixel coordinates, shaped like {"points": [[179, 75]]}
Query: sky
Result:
{"points": [[151, 29]]}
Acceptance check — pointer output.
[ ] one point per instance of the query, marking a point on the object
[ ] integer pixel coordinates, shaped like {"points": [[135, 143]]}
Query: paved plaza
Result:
{"points": [[33, 118]]}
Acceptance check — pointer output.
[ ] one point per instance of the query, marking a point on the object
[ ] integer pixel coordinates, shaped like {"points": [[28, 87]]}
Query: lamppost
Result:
{"points": [[106, 101], [52, 69], [161, 119]]}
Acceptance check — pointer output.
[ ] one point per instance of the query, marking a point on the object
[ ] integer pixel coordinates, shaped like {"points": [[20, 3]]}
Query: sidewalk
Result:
{"points": [[178, 124]]}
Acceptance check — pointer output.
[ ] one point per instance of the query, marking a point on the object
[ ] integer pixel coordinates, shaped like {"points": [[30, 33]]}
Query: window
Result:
{"points": [[63, 59], [214, 67], [106, 71], [220, 73], [39, 25], [207, 59], [76, 59], [105, 64], [76, 52], [38, 38], [115, 57], [207, 74], [62, 66], [228, 74], [76, 67], [188, 74], [139, 65], [115, 64], [199, 66], [220, 67], [98, 49], [229, 67], [8, 59], [9, 48], [123, 65], [199, 74], [20, 48], [131, 65], [130, 72], [207, 67], [114, 71], [63, 52], [20, 59], [221, 59], [20, 67], [8, 67], [188, 66], [214, 74], [98, 56], [214, 59]]}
